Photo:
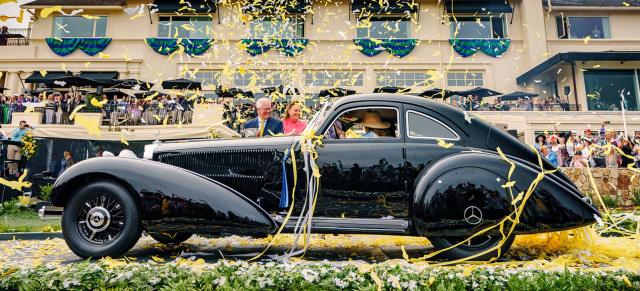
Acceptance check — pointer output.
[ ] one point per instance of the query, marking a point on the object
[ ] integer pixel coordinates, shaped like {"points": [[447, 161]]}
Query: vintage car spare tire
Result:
{"points": [[101, 219], [475, 246], [174, 238]]}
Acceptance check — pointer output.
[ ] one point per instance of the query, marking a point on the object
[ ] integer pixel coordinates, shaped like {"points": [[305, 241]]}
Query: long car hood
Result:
{"points": [[278, 143]]}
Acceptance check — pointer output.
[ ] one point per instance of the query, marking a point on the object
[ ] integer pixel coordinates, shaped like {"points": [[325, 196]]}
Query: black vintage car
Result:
{"points": [[432, 171]]}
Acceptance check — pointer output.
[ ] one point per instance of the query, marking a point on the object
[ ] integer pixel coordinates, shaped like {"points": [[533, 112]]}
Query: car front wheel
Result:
{"points": [[473, 247], [101, 220]]}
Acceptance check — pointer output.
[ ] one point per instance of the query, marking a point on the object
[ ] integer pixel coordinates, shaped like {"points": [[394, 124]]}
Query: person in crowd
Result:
{"points": [[528, 105], [557, 149], [571, 144], [100, 152], [588, 152], [291, 121], [66, 162], [3, 135], [540, 141], [611, 157], [626, 146], [551, 156], [14, 152], [578, 161], [266, 125]]}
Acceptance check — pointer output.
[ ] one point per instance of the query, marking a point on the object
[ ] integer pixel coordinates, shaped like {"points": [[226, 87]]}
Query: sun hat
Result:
{"points": [[372, 119]]}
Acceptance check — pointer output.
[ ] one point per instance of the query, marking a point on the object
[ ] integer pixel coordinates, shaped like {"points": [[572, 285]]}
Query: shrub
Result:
{"points": [[636, 197], [611, 202], [45, 192]]}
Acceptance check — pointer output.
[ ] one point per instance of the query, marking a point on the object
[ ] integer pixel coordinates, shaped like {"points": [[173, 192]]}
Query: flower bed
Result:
{"points": [[184, 274]]}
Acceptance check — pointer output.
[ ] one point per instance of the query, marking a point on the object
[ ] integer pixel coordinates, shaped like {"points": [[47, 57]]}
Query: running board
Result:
{"points": [[350, 225]]}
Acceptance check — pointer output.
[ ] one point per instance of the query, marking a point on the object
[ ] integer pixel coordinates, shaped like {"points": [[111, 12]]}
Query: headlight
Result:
{"points": [[148, 151]]}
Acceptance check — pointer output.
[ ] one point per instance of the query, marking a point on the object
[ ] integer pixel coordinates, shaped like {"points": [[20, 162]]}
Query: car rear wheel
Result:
{"points": [[101, 220], [173, 238], [474, 246]]}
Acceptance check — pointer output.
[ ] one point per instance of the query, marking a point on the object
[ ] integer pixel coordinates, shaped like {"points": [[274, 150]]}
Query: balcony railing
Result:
{"points": [[122, 115], [536, 107], [14, 36]]}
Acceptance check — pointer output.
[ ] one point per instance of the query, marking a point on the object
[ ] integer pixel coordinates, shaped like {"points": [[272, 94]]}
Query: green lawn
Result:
{"points": [[26, 221]]}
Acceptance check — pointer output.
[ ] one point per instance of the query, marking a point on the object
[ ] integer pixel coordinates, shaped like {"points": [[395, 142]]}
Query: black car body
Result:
{"points": [[440, 177]]}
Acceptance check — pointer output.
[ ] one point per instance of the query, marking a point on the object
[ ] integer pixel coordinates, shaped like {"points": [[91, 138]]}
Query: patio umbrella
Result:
{"points": [[438, 93], [77, 81], [336, 92], [181, 84], [481, 92], [231, 92], [390, 89], [111, 92], [518, 94], [48, 91], [132, 83], [147, 94]]}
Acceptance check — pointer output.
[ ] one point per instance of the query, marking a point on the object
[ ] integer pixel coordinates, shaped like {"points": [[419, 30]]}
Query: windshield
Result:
{"points": [[318, 119]]}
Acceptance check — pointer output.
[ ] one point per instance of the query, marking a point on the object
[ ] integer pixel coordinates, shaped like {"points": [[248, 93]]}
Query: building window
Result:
{"points": [[78, 26], [465, 79], [275, 27], [605, 87], [581, 27], [262, 79], [384, 27], [209, 79], [183, 27], [401, 79], [478, 27], [333, 79]]}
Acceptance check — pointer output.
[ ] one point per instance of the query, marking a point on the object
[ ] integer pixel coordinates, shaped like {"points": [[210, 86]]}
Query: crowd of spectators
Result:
{"points": [[58, 106], [474, 103], [605, 148]]}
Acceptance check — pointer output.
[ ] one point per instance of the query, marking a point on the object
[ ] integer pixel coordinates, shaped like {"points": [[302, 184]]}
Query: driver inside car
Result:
{"points": [[371, 123]]}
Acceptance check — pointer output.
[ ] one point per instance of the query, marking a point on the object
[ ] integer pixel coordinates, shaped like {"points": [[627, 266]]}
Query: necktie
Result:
{"points": [[261, 128]]}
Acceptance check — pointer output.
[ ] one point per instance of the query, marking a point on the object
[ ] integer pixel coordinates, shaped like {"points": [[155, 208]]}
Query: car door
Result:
{"points": [[363, 177], [428, 136]]}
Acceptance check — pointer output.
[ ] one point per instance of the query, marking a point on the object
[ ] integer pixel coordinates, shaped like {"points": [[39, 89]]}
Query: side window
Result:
{"points": [[422, 126], [365, 123]]}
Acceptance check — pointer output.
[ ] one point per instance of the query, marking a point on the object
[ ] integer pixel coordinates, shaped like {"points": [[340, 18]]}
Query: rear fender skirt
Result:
{"points": [[462, 194], [171, 198]]}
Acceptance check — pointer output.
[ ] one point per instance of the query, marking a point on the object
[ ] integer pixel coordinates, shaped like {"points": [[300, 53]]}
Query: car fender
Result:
{"points": [[170, 198], [464, 193]]}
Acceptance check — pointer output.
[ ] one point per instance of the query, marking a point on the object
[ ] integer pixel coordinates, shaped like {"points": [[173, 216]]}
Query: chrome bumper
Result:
{"points": [[50, 212]]}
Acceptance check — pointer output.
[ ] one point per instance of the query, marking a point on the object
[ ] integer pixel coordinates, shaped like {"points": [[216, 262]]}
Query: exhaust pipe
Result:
{"points": [[50, 212]]}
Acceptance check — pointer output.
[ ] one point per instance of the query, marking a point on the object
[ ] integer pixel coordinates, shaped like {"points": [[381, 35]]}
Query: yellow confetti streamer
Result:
{"points": [[43, 73], [376, 279], [17, 185], [86, 65], [91, 125], [73, 114], [97, 103], [91, 17], [586, 39], [122, 139], [47, 11], [444, 144]]}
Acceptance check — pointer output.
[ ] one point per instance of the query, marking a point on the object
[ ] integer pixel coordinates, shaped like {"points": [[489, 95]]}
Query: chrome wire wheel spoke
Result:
{"points": [[100, 219]]}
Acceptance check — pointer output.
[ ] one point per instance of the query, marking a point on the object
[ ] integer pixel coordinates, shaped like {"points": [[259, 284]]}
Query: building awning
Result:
{"points": [[103, 77], [264, 8], [577, 57], [49, 78], [197, 6], [478, 7], [374, 7]]}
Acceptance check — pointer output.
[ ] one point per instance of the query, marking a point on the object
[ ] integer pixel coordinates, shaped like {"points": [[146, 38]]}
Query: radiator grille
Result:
{"points": [[229, 159]]}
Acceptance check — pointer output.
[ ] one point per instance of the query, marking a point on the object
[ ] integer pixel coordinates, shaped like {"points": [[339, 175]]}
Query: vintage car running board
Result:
{"points": [[351, 225]]}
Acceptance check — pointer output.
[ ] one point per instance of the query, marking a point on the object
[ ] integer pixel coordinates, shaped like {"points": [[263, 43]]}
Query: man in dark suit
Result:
{"points": [[267, 126]]}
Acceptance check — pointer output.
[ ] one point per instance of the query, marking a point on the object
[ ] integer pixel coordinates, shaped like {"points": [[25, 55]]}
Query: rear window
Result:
{"points": [[423, 126]]}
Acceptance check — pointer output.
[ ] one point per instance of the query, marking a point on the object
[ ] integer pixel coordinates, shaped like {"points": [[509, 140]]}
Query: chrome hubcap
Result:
{"points": [[100, 219]]}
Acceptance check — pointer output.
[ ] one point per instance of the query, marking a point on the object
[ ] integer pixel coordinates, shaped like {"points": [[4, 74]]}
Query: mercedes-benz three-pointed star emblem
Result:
{"points": [[473, 215]]}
